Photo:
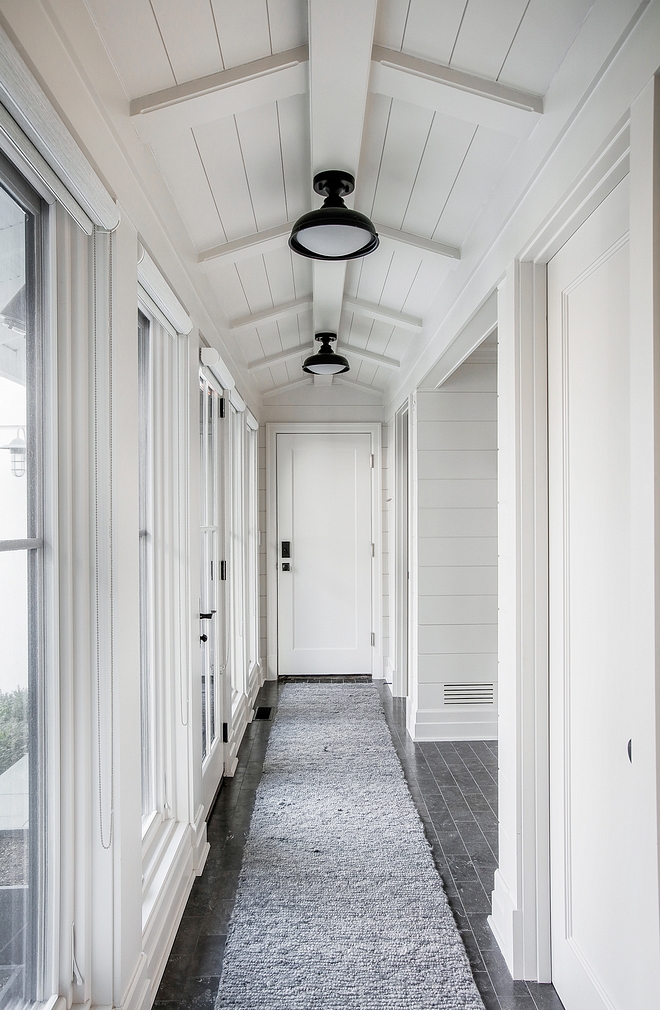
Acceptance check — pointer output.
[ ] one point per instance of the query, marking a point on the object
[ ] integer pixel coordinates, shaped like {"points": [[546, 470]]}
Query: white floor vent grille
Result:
{"points": [[469, 694]]}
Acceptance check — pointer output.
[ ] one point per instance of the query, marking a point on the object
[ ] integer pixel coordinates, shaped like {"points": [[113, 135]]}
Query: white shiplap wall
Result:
{"points": [[456, 494]]}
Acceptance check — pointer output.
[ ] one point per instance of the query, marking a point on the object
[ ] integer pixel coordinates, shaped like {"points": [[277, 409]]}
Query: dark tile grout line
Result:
{"points": [[439, 775]]}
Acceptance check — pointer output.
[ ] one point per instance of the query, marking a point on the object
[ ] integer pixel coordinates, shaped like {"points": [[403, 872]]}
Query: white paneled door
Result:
{"points": [[324, 553], [595, 823]]}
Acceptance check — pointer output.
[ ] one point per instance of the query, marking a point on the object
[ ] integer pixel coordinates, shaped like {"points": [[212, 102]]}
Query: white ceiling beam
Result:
{"points": [[347, 349], [220, 95], [417, 242], [278, 237], [251, 245], [341, 36], [376, 359], [454, 93], [279, 358], [271, 315], [383, 315]]}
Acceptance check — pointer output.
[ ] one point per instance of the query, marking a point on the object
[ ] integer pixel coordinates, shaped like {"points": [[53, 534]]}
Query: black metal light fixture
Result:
{"points": [[333, 232], [326, 361]]}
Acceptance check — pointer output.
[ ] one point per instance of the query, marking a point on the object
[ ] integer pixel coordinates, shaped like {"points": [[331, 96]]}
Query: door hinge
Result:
{"points": [[373, 637], [223, 571], [222, 406], [372, 461], [225, 732]]}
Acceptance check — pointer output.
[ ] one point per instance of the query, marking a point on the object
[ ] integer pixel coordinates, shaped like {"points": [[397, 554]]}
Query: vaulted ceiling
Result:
{"points": [[242, 101]]}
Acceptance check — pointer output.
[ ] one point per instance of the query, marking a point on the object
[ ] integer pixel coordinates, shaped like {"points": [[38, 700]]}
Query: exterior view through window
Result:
{"points": [[21, 562]]}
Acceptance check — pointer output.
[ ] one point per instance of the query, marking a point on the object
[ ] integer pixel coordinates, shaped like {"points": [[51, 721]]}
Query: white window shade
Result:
{"points": [[151, 279], [211, 358], [29, 107]]}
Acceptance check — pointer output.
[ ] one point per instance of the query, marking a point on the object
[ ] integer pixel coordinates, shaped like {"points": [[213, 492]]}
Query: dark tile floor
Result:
{"points": [[455, 790]]}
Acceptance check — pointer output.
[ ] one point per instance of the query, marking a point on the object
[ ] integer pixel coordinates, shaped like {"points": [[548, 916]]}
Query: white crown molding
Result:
{"points": [[29, 106]]}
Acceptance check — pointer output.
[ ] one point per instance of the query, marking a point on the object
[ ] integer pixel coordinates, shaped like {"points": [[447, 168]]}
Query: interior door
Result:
{"points": [[324, 553], [595, 916], [212, 623]]}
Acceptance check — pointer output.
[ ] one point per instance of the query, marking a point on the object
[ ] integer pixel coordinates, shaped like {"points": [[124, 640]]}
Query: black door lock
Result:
{"points": [[286, 567], [206, 617], [286, 548], [203, 638]]}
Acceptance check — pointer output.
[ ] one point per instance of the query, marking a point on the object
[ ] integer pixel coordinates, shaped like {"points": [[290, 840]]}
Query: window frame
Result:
{"points": [[40, 548]]}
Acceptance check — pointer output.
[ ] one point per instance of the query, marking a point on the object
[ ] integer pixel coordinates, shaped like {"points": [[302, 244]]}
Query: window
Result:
{"points": [[22, 632], [146, 581], [237, 556], [252, 559]]}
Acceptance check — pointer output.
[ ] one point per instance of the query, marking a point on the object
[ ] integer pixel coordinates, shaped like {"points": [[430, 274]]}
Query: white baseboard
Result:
{"points": [[453, 724], [506, 923]]}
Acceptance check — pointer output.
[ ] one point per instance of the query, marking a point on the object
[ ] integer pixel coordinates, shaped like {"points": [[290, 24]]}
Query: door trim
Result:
{"points": [[374, 430]]}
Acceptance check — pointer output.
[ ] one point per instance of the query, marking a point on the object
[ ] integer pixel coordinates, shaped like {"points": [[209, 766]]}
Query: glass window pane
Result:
{"points": [[13, 405]]}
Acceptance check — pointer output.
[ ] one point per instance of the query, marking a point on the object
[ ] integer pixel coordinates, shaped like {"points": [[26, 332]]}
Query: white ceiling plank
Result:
{"points": [[251, 345], [374, 273], [373, 141], [544, 37], [225, 280], [254, 279], [380, 339], [293, 117], [220, 150], [391, 21], [356, 330], [288, 24], [383, 314], [302, 274], [279, 375], [486, 33], [191, 42], [259, 138], [441, 249], [270, 315], [182, 167], [407, 132], [130, 33], [295, 330], [447, 146], [219, 95], [464, 96], [425, 286], [249, 246], [269, 336], [279, 269], [483, 166], [243, 30], [432, 28], [366, 372]]}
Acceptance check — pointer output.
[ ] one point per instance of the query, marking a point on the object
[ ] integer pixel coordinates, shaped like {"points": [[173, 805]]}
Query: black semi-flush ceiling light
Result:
{"points": [[333, 232], [326, 361]]}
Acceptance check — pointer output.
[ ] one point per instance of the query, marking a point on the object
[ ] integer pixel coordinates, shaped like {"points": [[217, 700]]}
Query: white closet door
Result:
{"points": [[595, 920], [324, 513]]}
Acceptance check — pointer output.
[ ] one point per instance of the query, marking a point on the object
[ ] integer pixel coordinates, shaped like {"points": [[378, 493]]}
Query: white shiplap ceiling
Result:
{"points": [[228, 119]]}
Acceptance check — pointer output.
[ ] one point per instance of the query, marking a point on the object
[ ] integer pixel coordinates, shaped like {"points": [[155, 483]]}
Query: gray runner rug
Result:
{"points": [[339, 903]]}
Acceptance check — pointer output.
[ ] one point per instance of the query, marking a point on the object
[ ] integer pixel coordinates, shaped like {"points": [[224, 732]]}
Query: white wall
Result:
{"points": [[455, 660]]}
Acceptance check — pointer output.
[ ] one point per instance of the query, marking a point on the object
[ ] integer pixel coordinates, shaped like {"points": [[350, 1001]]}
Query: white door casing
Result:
{"points": [[594, 819], [324, 512]]}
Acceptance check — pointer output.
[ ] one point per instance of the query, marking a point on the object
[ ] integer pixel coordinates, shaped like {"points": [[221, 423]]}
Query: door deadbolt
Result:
{"points": [[286, 548], [286, 567]]}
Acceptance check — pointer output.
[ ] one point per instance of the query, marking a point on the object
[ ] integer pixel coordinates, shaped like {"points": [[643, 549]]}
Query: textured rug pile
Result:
{"points": [[339, 904]]}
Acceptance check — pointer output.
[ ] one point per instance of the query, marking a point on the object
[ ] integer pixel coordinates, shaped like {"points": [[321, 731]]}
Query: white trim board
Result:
{"points": [[273, 429]]}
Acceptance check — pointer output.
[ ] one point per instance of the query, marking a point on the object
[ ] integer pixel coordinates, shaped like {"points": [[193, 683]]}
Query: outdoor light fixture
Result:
{"points": [[333, 232], [18, 451], [326, 361]]}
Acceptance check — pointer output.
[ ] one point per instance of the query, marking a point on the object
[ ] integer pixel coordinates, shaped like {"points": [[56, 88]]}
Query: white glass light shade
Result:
{"points": [[333, 240]]}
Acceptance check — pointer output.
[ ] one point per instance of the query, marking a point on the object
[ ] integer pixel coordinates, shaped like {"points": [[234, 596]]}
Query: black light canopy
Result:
{"points": [[326, 361], [333, 232]]}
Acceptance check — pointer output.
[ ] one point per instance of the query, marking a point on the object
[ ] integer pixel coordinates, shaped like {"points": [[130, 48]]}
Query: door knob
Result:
{"points": [[203, 638], [286, 567], [206, 617]]}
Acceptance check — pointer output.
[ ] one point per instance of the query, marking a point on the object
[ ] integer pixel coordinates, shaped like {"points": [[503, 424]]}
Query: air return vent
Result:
{"points": [[469, 694]]}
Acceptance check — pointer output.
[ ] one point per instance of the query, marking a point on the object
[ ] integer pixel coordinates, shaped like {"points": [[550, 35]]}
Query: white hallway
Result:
{"points": [[500, 408]]}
